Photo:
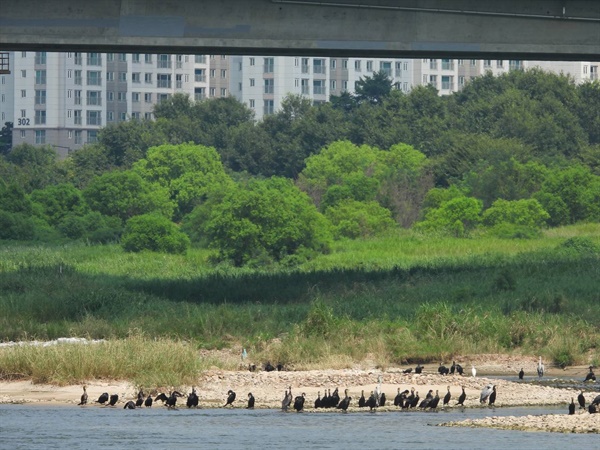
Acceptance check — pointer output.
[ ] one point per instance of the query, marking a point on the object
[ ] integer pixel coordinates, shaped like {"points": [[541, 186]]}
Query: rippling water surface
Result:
{"points": [[72, 427]]}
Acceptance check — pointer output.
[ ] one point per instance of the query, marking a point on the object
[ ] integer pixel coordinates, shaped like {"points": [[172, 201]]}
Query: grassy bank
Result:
{"points": [[391, 299]]}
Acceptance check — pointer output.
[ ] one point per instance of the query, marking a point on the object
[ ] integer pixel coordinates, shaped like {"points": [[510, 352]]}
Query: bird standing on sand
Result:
{"points": [[521, 374], [492, 399], [140, 399], [299, 402], [84, 397], [318, 400], [250, 401], [192, 399], [447, 397], [372, 401], [230, 398], [462, 397], [362, 401], [473, 370], [129, 405], [113, 399], [590, 376], [485, 393], [148, 402], [378, 389], [103, 398], [540, 368], [572, 407], [287, 400], [345, 402], [581, 400]]}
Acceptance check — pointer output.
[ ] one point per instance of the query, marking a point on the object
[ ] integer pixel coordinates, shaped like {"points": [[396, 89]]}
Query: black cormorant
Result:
{"points": [[372, 401], [447, 397], [192, 399], [571, 407], [299, 402], [492, 399], [230, 398], [419, 368], [113, 399], [129, 405], [362, 402], [148, 402], [103, 398], [250, 401], [84, 397], [140, 399], [581, 400], [345, 402], [521, 374], [318, 400], [434, 401], [382, 399], [462, 397], [590, 376], [162, 397]]}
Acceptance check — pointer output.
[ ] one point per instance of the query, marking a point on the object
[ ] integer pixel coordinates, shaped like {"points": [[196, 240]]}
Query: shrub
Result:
{"points": [[153, 232], [527, 213], [16, 226], [352, 219]]}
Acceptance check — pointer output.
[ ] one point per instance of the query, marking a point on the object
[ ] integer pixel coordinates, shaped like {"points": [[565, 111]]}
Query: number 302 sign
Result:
{"points": [[23, 121]]}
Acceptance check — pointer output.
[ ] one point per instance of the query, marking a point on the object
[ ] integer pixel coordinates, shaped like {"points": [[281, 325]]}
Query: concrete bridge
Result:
{"points": [[492, 29]]}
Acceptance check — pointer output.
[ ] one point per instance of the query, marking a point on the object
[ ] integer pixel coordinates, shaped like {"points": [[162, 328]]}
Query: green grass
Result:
{"points": [[397, 298]]}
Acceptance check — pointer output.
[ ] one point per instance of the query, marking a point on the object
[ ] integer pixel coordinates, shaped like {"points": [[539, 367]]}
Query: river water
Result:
{"points": [[66, 427]]}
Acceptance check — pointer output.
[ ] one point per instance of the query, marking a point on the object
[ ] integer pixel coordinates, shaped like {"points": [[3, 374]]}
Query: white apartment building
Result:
{"points": [[63, 99]]}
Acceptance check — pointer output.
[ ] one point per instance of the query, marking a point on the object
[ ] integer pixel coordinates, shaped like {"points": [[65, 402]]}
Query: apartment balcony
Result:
{"points": [[163, 64], [305, 90], [320, 69], [305, 68], [319, 90], [199, 97], [163, 84], [200, 78], [447, 65]]}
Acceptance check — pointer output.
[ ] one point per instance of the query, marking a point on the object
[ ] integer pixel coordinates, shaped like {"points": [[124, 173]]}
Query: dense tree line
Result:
{"points": [[510, 154]]}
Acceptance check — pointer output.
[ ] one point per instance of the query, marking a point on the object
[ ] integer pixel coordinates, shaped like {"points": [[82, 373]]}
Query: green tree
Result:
{"points": [[128, 141], [266, 218], [353, 219], [58, 201], [189, 172], [153, 232], [38, 165], [14, 200], [457, 217], [526, 212], [125, 194], [6, 138], [373, 89]]}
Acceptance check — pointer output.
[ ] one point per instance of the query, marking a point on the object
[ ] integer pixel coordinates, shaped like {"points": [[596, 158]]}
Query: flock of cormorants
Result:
{"points": [[404, 399]]}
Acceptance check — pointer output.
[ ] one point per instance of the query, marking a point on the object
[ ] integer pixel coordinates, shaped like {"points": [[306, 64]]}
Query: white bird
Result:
{"points": [[485, 393], [244, 354], [473, 370], [378, 388], [540, 368]]}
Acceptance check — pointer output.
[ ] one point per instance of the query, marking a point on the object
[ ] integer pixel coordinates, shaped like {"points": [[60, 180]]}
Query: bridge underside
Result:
{"points": [[493, 29]]}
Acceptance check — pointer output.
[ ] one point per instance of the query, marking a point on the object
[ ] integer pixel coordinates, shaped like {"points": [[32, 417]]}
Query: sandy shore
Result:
{"points": [[268, 389]]}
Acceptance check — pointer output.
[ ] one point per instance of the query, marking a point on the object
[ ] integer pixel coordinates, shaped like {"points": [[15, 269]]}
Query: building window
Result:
{"points": [[148, 97], [345, 85], [77, 97], [305, 65], [93, 118], [223, 73], [319, 66], [23, 74], [23, 113], [319, 87], [487, 63], [93, 98], [78, 139], [269, 107], [110, 116], [123, 77], [122, 56], [473, 62], [333, 85], [148, 78], [223, 92], [70, 134], [148, 116], [252, 82], [269, 65], [252, 61], [110, 76], [461, 62], [110, 96], [23, 93], [40, 97], [40, 136], [447, 64], [69, 113], [433, 64], [447, 83], [40, 57], [212, 92], [148, 58], [22, 134], [77, 117], [251, 103], [386, 67], [163, 80], [357, 65], [433, 80], [93, 78], [121, 96], [305, 86], [40, 77], [78, 78], [92, 136], [333, 63], [94, 59], [135, 58], [40, 117], [178, 61], [78, 59], [110, 57], [122, 116], [345, 64], [199, 94], [213, 73], [499, 64], [369, 66], [269, 86], [136, 77], [135, 115], [164, 61], [200, 59], [178, 81], [199, 75], [461, 81]]}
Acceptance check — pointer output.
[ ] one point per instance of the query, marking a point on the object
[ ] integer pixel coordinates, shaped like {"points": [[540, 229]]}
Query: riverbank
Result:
{"points": [[581, 422]]}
